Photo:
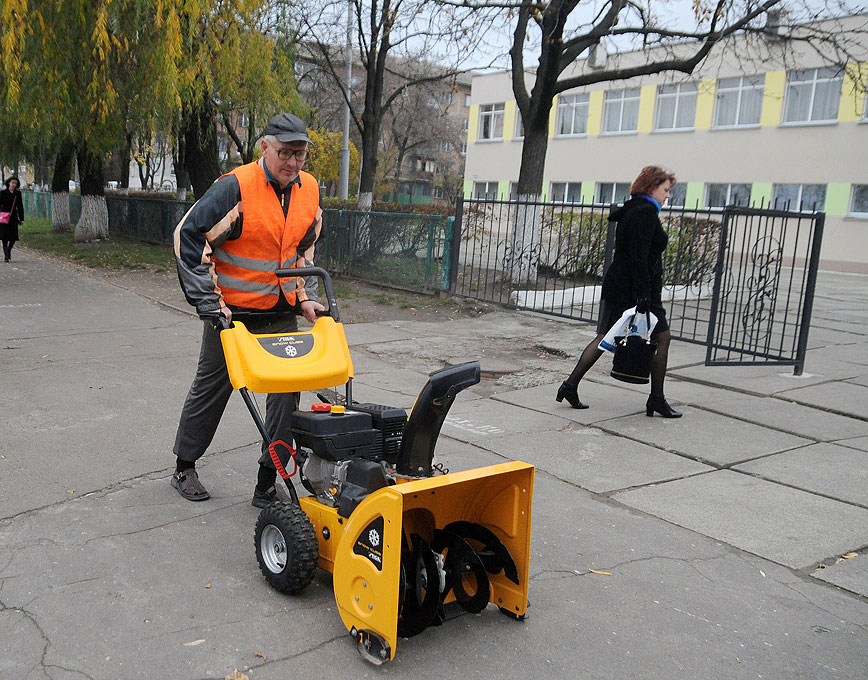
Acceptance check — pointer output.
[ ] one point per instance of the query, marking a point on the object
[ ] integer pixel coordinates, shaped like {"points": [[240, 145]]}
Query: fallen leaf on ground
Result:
{"points": [[604, 573], [261, 655], [849, 556], [194, 643], [207, 585], [237, 675]]}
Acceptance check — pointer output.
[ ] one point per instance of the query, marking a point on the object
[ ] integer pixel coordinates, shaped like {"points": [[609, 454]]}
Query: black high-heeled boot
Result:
{"points": [[571, 394], [661, 406]]}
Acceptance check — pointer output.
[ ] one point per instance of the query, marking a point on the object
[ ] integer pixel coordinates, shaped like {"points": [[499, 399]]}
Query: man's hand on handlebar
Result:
{"points": [[309, 309]]}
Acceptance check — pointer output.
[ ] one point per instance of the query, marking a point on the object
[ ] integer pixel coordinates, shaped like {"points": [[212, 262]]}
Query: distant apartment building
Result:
{"points": [[753, 125]]}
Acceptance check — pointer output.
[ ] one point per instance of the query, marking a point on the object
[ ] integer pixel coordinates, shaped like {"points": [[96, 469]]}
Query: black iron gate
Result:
{"points": [[740, 280], [764, 286]]}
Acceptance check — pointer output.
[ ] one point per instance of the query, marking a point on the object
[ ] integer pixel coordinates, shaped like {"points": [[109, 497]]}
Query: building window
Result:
{"points": [[566, 192], [799, 197], [438, 192], [859, 200], [572, 115], [613, 192], [739, 101], [463, 148], [491, 121], [465, 124], [678, 196], [445, 147], [448, 98], [813, 95], [676, 107], [467, 101], [485, 190], [722, 195], [621, 111], [519, 125]]}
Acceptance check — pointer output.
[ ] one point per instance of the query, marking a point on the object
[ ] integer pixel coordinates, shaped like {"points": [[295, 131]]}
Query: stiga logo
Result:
{"points": [[287, 346], [369, 543]]}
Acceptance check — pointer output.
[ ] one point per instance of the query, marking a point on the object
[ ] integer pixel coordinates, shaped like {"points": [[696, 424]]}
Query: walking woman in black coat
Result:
{"points": [[635, 277], [12, 202]]}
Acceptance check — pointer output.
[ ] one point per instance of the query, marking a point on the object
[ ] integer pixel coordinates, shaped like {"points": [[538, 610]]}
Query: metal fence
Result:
{"points": [[738, 280], [394, 249]]}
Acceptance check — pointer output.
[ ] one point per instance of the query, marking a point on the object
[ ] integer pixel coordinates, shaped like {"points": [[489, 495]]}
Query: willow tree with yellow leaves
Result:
{"points": [[86, 77]]}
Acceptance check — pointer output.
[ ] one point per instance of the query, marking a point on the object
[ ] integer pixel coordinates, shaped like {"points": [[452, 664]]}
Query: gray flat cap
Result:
{"points": [[287, 128]]}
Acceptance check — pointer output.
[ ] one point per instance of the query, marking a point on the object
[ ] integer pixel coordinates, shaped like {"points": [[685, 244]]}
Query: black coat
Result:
{"points": [[637, 265], [9, 232]]}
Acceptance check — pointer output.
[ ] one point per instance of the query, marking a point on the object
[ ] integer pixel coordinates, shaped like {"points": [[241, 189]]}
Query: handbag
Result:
{"points": [[6, 216], [632, 360]]}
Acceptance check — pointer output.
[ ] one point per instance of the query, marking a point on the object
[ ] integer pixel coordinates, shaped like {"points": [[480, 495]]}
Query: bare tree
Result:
{"points": [[396, 43], [559, 37]]}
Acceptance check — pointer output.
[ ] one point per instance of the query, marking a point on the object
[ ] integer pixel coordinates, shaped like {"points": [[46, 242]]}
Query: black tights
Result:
{"points": [[7, 248], [658, 362]]}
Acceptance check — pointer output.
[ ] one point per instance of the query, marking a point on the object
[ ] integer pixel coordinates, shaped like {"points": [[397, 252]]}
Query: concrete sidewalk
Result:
{"points": [[725, 532]]}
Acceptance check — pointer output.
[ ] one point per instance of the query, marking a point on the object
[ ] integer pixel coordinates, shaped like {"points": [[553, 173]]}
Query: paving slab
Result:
{"points": [[593, 459], [827, 469], [704, 436], [860, 443], [840, 397], [473, 421], [859, 380], [773, 412], [854, 353], [605, 402], [368, 333], [791, 527], [850, 574]]}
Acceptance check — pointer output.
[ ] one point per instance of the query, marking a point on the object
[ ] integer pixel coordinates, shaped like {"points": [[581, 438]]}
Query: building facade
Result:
{"points": [[769, 124]]}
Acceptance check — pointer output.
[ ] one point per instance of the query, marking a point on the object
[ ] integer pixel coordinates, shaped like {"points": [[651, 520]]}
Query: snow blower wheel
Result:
{"points": [[286, 547]]}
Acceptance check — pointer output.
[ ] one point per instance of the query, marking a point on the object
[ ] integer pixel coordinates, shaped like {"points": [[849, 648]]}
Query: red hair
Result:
{"points": [[649, 179]]}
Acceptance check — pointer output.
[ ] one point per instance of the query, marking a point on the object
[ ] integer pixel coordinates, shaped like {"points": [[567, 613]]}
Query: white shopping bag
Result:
{"points": [[638, 327]]}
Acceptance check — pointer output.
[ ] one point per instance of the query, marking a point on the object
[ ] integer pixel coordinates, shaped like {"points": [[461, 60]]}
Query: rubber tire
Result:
{"points": [[285, 525]]}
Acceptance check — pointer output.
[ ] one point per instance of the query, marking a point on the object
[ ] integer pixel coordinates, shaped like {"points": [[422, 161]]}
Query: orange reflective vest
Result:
{"points": [[269, 241]]}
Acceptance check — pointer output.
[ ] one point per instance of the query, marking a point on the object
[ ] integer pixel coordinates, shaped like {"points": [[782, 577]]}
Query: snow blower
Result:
{"points": [[403, 538]]}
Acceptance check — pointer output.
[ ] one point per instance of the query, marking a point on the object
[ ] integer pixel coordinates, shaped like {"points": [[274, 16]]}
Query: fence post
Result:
{"points": [[718, 285], [455, 244], [446, 266], [810, 289]]}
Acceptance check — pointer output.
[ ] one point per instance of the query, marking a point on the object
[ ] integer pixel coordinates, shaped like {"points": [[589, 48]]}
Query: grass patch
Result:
{"points": [[115, 253]]}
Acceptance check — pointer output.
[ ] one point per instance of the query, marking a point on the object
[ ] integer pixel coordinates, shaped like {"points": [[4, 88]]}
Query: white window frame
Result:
{"points": [[487, 193], [568, 193], [673, 204], [619, 98], [682, 93], [745, 86], [569, 108], [467, 101], [729, 193], [491, 122], [797, 205], [518, 133], [858, 213], [829, 75], [865, 109], [613, 194]]}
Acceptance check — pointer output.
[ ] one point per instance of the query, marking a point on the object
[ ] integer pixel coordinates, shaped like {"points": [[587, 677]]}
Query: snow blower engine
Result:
{"points": [[402, 537]]}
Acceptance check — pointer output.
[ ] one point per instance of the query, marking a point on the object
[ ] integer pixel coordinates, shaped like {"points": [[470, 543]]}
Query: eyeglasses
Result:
{"points": [[286, 153]]}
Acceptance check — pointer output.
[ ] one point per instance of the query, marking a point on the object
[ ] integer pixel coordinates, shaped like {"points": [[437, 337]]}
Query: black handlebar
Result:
{"points": [[221, 323]]}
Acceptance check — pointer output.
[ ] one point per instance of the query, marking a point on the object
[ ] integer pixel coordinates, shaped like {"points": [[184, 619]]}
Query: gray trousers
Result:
{"points": [[211, 390]]}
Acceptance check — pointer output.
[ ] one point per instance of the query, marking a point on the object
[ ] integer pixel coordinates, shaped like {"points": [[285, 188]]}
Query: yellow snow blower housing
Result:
{"points": [[403, 538]]}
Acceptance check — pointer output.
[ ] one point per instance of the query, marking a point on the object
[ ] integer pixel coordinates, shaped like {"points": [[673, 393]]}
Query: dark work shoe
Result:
{"points": [[188, 485], [274, 494]]}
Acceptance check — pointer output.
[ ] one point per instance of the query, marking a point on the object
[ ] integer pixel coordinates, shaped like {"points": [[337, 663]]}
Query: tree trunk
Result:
{"points": [[93, 224], [127, 154], [182, 177], [200, 151], [60, 222]]}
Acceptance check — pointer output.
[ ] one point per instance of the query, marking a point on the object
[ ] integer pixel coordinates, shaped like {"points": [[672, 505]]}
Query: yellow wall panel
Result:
{"points": [[773, 99], [473, 124], [705, 103], [595, 112], [852, 94], [646, 108], [509, 120]]}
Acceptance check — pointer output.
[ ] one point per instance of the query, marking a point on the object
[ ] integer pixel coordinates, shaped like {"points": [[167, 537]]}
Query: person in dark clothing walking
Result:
{"points": [[11, 202], [635, 277]]}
